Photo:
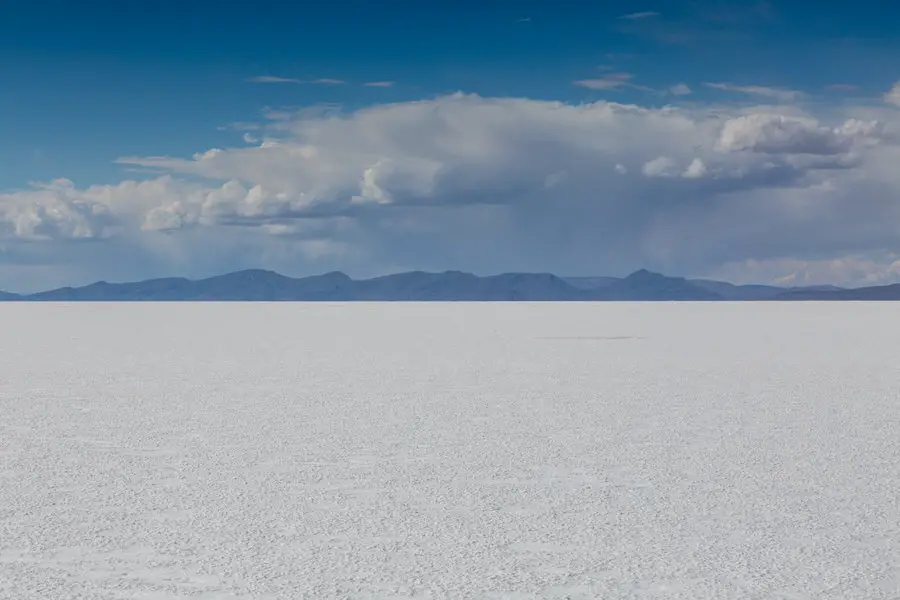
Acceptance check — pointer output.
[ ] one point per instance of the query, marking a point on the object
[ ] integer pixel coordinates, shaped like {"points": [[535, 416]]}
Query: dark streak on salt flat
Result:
{"points": [[431, 451], [591, 337]]}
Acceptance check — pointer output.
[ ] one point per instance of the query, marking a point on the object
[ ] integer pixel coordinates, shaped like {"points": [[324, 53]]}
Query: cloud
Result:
{"points": [[758, 90], [272, 79], [771, 133], [599, 84], [639, 15], [893, 95], [609, 81], [661, 166], [859, 270], [488, 185], [379, 84], [695, 170], [240, 126], [55, 210], [680, 89]]}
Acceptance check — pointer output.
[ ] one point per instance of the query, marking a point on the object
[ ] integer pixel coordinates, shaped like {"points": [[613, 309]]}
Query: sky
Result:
{"points": [[752, 141]]}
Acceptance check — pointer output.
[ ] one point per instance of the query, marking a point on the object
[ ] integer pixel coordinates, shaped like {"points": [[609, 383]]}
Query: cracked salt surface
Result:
{"points": [[449, 451]]}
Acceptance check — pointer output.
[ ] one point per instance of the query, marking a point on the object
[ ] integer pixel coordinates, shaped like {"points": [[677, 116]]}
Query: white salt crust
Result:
{"points": [[430, 451]]}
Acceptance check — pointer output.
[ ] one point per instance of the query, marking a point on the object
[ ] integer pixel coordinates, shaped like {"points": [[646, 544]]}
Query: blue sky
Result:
{"points": [[86, 84]]}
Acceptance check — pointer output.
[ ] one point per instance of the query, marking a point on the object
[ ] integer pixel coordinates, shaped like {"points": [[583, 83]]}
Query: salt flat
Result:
{"points": [[157, 451]]}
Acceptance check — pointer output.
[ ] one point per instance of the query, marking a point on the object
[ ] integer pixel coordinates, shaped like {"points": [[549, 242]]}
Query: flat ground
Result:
{"points": [[260, 451]]}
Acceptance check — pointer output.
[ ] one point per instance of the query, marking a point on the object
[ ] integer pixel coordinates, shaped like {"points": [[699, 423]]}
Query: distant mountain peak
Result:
{"points": [[253, 273], [645, 275]]}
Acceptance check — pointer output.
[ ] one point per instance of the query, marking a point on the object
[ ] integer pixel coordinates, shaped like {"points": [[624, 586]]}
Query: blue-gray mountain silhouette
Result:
{"points": [[262, 285], [648, 286], [825, 293]]}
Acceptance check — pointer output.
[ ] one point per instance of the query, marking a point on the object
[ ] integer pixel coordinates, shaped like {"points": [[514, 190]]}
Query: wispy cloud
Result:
{"points": [[277, 114], [639, 15], [758, 90], [611, 81], [272, 79], [680, 89], [276, 79], [607, 82], [599, 84], [379, 84], [239, 126], [523, 20]]}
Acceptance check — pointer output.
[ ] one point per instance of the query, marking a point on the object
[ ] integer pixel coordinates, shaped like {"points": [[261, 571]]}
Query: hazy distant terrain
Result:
{"points": [[505, 450], [261, 285]]}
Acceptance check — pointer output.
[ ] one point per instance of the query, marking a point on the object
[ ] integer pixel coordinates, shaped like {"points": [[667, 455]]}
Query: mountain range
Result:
{"points": [[262, 285]]}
